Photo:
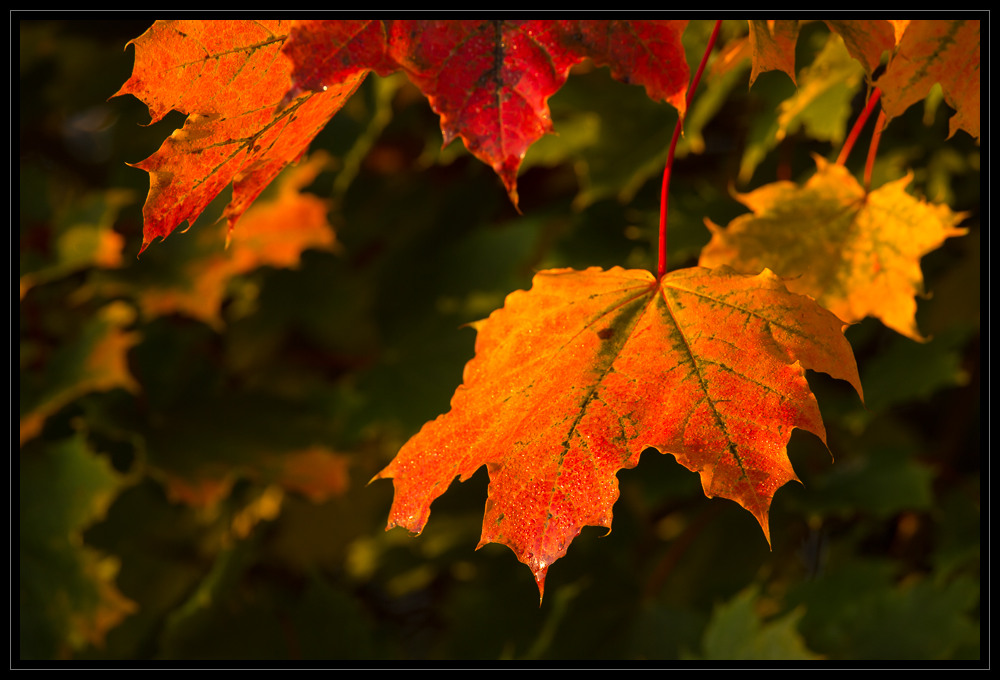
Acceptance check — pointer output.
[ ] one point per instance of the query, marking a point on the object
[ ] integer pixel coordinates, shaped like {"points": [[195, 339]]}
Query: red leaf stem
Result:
{"points": [[661, 267], [858, 124], [873, 148]]}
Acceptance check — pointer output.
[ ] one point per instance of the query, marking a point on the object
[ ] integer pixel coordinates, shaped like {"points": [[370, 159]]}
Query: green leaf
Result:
{"points": [[860, 612], [68, 597], [738, 632]]}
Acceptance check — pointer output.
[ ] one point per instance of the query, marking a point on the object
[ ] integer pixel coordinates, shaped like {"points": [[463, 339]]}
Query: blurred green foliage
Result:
{"points": [[876, 556]]}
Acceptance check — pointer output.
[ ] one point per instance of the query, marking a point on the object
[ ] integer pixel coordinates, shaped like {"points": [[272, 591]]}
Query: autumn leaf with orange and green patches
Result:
{"points": [[575, 378], [96, 361], [857, 253]]}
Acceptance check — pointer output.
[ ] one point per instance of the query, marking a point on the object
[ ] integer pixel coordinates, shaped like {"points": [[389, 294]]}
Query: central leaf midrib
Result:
{"points": [[631, 316]]}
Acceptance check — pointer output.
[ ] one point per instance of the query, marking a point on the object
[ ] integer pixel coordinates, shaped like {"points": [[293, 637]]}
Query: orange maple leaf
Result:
{"points": [[573, 379], [936, 51], [314, 472], [857, 253], [865, 39], [272, 232], [248, 117], [231, 77], [772, 44]]}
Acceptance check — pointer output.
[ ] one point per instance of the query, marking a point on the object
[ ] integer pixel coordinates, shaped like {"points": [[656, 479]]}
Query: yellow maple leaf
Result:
{"points": [[858, 254]]}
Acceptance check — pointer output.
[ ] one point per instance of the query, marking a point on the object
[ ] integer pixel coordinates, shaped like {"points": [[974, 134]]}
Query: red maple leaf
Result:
{"points": [[257, 92], [490, 81]]}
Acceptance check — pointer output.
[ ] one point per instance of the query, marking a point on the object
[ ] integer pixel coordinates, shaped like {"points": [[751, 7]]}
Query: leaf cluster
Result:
{"points": [[198, 426]]}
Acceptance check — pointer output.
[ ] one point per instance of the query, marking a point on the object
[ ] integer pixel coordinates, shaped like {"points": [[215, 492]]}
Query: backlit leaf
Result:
{"points": [[772, 43], [936, 51], [231, 78], [573, 379], [490, 81], [857, 254], [272, 233], [822, 102], [866, 40]]}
